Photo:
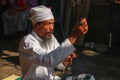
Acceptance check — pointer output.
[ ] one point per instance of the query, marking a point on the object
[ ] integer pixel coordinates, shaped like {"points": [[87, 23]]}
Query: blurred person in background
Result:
{"points": [[15, 19]]}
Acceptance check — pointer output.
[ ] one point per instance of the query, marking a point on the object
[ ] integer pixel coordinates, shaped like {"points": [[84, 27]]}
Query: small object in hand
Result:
{"points": [[81, 24], [86, 28], [73, 55]]}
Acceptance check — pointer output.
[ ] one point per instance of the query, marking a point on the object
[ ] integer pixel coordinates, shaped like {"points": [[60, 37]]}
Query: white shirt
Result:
{"points": [[38, 58]]}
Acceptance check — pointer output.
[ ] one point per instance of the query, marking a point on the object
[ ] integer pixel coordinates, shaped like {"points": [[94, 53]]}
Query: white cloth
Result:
{"points": [[38, 58], [84, 76], [40, 13], [60, 66]]}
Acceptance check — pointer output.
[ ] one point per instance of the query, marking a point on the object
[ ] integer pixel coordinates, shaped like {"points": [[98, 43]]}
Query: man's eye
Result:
{"points": [[48, 23]]}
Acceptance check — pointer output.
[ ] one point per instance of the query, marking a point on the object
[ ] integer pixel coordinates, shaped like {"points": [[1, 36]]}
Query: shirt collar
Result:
{"points": [[36, 36]]}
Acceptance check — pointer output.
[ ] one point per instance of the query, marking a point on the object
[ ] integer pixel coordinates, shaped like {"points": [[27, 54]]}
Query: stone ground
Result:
{"points": [[103, 66]]}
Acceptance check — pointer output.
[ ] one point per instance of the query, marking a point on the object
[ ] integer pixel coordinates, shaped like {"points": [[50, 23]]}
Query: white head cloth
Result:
{"points": [[40, 13]]}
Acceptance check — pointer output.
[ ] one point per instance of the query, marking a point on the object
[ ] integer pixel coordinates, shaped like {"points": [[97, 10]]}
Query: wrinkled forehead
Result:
{"points": [[47, 22]]}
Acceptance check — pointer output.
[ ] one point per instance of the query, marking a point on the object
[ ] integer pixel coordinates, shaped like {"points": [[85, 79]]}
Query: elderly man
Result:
{"points": [[40, 52]]}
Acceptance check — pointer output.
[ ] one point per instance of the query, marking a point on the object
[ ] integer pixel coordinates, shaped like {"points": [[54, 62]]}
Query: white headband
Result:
{"points": [[40, 13]]}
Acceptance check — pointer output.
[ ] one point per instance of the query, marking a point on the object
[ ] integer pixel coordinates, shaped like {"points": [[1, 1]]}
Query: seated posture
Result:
{"points": [[15, 18], [40, 52]]}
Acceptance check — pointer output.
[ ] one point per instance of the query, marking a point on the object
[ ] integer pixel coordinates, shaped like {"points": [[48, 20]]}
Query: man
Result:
{"points": [[40, 52]]}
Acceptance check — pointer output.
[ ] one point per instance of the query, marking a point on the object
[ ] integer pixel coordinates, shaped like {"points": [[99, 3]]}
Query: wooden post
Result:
{"points": [[67, 18]]}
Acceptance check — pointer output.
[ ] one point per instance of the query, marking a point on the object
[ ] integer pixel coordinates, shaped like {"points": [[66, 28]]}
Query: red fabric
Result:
{"points": [[3, 2], [20, 3]]}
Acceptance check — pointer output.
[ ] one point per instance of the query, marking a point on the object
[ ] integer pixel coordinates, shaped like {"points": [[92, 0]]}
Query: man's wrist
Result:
{"points": [[72, 39]]}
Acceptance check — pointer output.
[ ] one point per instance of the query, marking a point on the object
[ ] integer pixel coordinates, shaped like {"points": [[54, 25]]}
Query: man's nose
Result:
{"points": [[51, 26]]}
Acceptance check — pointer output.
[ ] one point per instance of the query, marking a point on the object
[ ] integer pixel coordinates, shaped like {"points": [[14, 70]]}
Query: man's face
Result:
{"points": [[45, 29]]}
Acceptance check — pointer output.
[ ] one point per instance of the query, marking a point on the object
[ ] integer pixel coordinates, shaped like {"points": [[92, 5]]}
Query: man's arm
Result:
{"points": [[43, 58], [78, 30]]}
